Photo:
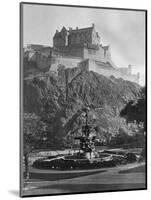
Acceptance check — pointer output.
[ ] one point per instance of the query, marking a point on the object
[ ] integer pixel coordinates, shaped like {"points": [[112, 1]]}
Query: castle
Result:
{"points": [[81, 47], [83, 43], [78, 45]]}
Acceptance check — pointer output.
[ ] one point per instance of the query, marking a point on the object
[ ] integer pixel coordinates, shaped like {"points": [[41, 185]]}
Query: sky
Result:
{"points": [[123, 30]]}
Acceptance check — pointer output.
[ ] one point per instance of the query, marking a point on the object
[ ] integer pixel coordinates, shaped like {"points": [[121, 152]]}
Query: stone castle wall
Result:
{"points": [[82, 52], [91, 63], [94, 54], [38, 54], [42, 61], [74, 51], [104, 70], [68, 62]]}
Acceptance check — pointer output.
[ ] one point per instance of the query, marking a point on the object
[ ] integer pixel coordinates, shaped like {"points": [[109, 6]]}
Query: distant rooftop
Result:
{"points": [[76, 30]]}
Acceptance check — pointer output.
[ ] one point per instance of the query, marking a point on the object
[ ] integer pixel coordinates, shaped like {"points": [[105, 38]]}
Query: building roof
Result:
{"points": [[88, 29], [73, 31]]}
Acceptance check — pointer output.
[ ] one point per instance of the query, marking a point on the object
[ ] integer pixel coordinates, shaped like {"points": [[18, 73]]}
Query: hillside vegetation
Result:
{"points": [[58, 100]]}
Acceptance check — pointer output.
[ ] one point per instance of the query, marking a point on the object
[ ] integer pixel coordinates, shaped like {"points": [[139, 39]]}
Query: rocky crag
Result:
{"points": [[59, 99]]}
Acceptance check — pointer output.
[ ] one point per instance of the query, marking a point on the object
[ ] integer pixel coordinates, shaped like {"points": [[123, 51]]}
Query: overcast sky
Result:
{"points": [[124, 30]]}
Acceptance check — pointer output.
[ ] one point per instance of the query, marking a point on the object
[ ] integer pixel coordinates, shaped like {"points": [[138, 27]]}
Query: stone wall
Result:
{"points": [[41, 56], [83, 51], [111, 72], [94, 54], [68, 62], [74, 51], [42, 61], [90, 59], [99, 54], [90, 65]]}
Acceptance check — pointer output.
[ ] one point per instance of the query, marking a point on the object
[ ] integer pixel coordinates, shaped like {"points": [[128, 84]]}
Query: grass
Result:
{"points": [[139, 169]]}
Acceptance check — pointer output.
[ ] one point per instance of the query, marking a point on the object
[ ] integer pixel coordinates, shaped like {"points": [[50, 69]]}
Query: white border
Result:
{"points": [[9, 99]]}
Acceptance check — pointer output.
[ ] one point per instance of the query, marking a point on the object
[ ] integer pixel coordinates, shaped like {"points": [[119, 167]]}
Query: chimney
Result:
{"points": [[130, 68], [57, 31], [93, 25], [77, 28], [70, 29]]}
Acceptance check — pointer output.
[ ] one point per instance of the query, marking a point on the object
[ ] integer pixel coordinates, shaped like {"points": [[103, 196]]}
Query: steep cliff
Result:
{"points": [[59, 99]]}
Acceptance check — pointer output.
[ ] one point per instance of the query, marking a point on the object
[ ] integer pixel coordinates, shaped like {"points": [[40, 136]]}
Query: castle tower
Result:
{"points": [[93, 25], [60, 39]]}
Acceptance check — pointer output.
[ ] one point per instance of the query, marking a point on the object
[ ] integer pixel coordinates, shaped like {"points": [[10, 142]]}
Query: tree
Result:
{"points": [[136, 110], [35, 132]]}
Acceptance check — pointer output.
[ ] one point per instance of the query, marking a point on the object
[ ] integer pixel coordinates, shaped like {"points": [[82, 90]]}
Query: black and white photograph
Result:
{"points": [[83, 107]]}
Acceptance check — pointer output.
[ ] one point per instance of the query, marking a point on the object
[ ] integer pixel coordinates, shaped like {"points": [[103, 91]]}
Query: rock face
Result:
{"points": [[59, 99]]}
